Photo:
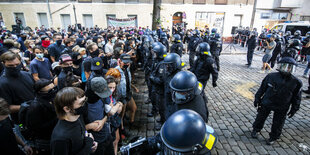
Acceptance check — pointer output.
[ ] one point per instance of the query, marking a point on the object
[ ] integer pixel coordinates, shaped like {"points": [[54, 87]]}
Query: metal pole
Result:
{"points": [[253, 14], [75, 17], [49, 12]]}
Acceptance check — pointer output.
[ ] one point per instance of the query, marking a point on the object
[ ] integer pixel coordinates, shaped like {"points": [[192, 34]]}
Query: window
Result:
{"points": [[265, 15], [65, 20], [21, 17], [305, 18], [199, 1], [280, 16], [293, 28], [278, 27], [43, 19], [88, 20], [85, 1], [220, 2], [237, 20], [132, 16], [108, 1], [131, 1]]}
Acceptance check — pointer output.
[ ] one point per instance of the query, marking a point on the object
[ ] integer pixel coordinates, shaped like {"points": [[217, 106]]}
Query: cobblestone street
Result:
{"points": [[232, 112]]}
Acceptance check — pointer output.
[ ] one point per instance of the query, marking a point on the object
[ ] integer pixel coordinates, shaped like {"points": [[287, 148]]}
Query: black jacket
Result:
{"points": [[278, 92], [203, 67]]}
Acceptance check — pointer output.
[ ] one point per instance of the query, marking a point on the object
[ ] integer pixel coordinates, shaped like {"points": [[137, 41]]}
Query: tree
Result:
{"points": [[156, 14]]}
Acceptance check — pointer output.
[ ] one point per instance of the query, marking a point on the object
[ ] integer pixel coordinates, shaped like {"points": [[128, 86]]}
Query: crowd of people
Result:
{"points": [[71, 91]]}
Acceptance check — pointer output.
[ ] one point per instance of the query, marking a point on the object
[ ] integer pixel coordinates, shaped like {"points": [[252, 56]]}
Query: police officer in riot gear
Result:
{"points": [[164, 40], [146, 48], [184, 133], [287, 37], [204, 66], [206, 36], [293, 48], [177, 46], [216, 48], [251, 42], [297, 35], [186, 93], [173, 64], [194, 41], [156, 77], [278, 92]]}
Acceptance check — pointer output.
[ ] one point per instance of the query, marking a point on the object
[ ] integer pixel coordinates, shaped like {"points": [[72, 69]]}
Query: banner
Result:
{"points": [[126, 22]]}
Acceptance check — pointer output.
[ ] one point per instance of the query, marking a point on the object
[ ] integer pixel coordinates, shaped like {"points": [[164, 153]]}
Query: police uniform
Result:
{"points": [[177, 48], [192, 45]]}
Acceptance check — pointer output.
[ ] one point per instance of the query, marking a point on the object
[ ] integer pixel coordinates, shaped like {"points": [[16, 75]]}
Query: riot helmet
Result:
{"points": [[297, 33], [196, 33], [287, 65], [184, 87], [214, 30], [163, 35], [173, 62], [204, 49], [288, 33], [308, 34], [176, 38], [295, 43], [185, 133], [159, 51]]}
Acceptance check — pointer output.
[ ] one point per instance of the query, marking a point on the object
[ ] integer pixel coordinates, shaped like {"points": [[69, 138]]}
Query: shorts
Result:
{"points": [[266, 58]]}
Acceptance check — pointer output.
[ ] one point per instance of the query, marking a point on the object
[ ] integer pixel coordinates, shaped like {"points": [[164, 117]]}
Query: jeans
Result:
{"points": [[308, 66]]}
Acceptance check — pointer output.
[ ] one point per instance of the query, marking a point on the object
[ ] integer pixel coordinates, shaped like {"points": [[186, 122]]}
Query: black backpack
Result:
{"points": [[23, 119]]}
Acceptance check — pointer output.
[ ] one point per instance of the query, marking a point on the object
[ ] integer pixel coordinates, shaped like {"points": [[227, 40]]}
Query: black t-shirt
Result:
{"points": [[69, 138], [8, 144], [128, 88], [16, 90]]}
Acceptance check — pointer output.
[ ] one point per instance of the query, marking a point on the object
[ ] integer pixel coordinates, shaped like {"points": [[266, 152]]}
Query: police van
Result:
{"points": [[303, 26]]}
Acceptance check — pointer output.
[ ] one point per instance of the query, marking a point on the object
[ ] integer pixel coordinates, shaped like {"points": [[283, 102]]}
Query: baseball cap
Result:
{"points": [[100, 87], [96, 63], [54, 65], [125, 58], [64, 58]]}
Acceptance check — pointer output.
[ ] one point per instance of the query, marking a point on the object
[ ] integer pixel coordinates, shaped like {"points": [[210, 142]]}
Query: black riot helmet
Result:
{"points": [[297, 33], [196, 33], [185, 133], [176, 38], [174, 62], [184, 87], [204, 49], [288, 33], [287, 65], [295, 43], [159, 51], [163, 35], [214, 30]]}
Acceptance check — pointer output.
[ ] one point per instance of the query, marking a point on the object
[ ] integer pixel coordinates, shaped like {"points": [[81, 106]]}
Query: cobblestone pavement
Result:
{"points": [[232, 112]]}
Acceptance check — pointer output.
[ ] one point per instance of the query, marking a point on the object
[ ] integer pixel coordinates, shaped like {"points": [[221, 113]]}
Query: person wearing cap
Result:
{"points": [[66, 63], [98, 91], [270, 46], [21, 40], [125, 86], [41, 115]]}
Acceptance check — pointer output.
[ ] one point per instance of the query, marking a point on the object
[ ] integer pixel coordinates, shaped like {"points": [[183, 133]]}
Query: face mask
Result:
{"points": [[113, 40], [103, 42], [134, 45], [85, 55], [95, 53], [50, 95], [81, 110], [67, 69], [13, 71], [32, 46], [40, 56], [58, 42], [45, 43], [77, 62]]}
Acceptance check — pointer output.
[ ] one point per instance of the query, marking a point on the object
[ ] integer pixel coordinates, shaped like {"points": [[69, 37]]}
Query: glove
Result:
{"points": [[256, 103], [291, 113], [214, 84]]}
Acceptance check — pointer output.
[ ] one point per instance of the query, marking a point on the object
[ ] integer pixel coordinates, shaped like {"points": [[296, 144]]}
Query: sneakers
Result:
{"points": [[270, 141], [254, 134], [305, 76], [261, 71]]}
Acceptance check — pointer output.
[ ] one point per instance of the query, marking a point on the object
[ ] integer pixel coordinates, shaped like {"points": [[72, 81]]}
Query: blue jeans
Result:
{"points": [[308, 66]]}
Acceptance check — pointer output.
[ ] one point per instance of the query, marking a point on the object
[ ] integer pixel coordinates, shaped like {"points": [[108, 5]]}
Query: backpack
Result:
{"points": [[23, 119]]}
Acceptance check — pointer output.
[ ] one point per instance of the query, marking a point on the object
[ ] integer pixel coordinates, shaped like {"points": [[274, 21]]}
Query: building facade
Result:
{"points": [[222, 14]]}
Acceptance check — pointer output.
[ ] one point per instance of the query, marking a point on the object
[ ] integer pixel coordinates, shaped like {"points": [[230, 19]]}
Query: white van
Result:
{"points": [[303, 26]]}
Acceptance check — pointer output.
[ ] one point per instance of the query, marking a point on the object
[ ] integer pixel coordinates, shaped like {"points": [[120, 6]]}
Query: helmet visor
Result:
{"points": [[286, 68], [182, 97]]}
